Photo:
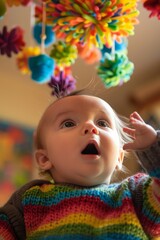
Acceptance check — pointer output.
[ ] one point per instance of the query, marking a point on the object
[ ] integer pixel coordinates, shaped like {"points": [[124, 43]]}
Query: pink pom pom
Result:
{"points": [[154, 7], [11, 41]]}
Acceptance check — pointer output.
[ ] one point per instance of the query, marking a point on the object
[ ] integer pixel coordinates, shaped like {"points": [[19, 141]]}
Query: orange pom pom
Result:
{"points": [[94, 56], [89, 54]]}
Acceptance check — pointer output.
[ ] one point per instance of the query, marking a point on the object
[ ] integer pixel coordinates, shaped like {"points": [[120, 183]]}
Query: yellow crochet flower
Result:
{"points": [[22, 58]]}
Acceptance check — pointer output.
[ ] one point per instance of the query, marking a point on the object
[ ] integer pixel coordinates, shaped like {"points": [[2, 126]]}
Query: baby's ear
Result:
{"points": [[120, 159], [42, 160]]}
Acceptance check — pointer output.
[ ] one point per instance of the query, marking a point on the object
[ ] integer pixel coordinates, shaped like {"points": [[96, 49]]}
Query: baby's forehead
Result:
{"points": [[77, 104]]}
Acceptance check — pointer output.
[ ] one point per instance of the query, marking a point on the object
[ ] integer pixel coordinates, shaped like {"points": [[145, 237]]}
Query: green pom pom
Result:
{"points": [[64, 54], [115, 70], [2, 8]]}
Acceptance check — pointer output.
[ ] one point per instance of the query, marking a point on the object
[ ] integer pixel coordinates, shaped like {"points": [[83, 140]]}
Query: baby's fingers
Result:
{"points": [[129, 131], [136, 116]]}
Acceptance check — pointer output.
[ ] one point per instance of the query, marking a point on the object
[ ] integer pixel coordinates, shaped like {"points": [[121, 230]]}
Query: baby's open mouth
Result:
{"points": [[90, 149]]}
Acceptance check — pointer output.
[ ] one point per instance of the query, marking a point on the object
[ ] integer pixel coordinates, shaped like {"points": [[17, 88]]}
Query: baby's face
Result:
{"points": [[81, 144]]}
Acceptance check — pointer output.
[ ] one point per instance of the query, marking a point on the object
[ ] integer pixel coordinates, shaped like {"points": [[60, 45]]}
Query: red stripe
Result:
{"points": [[150, 227], [157, 181], [5, 230], [85, 204]]}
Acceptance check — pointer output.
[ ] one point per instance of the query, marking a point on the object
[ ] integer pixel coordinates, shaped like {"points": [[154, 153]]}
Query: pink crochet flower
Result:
{"points": [[11, 41], [154, 7]]}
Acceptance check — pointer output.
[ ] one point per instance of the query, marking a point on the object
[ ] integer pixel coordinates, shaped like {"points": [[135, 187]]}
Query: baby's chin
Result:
{"points": [[83, 178]]}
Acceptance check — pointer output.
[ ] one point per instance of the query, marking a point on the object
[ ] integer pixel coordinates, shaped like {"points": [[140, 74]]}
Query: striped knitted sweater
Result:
{"points": [[128, 210]]}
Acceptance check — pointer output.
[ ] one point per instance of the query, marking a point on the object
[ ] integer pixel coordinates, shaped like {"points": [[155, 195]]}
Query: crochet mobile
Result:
{"points": [[128, 210]]}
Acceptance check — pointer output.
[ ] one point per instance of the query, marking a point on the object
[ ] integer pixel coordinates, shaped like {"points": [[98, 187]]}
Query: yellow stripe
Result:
{"points": [[43, 188], [92, 221]]}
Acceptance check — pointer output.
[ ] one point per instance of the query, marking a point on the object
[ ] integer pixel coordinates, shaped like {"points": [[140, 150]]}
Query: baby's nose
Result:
{"points": [[90, 128]]}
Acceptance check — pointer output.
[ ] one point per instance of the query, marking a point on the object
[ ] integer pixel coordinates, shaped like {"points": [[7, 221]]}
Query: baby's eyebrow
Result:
{"points": [[104, 112], [61, 114], [107, 115]]}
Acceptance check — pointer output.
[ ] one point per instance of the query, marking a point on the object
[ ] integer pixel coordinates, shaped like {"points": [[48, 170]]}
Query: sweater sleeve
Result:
{"points": [[12, 225], [150, 158], [6, 231], [145, 189], [11, 219]]}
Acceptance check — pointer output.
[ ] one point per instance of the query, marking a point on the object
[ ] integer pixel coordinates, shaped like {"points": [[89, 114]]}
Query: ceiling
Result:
{"points": [[18, 93]]}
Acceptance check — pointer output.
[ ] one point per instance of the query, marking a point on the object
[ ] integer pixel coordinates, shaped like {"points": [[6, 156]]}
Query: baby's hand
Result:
{"points": [[143, 134]]}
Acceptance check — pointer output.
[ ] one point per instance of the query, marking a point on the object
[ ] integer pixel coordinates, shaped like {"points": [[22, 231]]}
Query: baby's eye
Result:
{"points": [[68, 124], [102, 123]]}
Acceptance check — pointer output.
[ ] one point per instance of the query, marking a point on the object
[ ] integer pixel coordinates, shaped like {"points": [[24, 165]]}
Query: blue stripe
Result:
{"points": [[111, 195]]}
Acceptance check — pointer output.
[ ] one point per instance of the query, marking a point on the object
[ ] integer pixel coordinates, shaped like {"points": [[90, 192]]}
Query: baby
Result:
{"points": [[81, 142]]}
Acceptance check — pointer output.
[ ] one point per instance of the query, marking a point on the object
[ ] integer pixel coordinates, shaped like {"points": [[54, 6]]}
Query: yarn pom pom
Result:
{"points": [[17, 3], [92, 22], [115, 71], [154, 7], [64, 54], [37, 32], [62, 83], [90, 55], [22, 58], [94, 56], [42, 67], [2, 8], [11, 41]]}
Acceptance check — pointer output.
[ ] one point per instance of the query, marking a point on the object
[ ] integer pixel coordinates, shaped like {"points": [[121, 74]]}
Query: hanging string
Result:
{"points": [[32, 21], [113, 49], [43, 36]]}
